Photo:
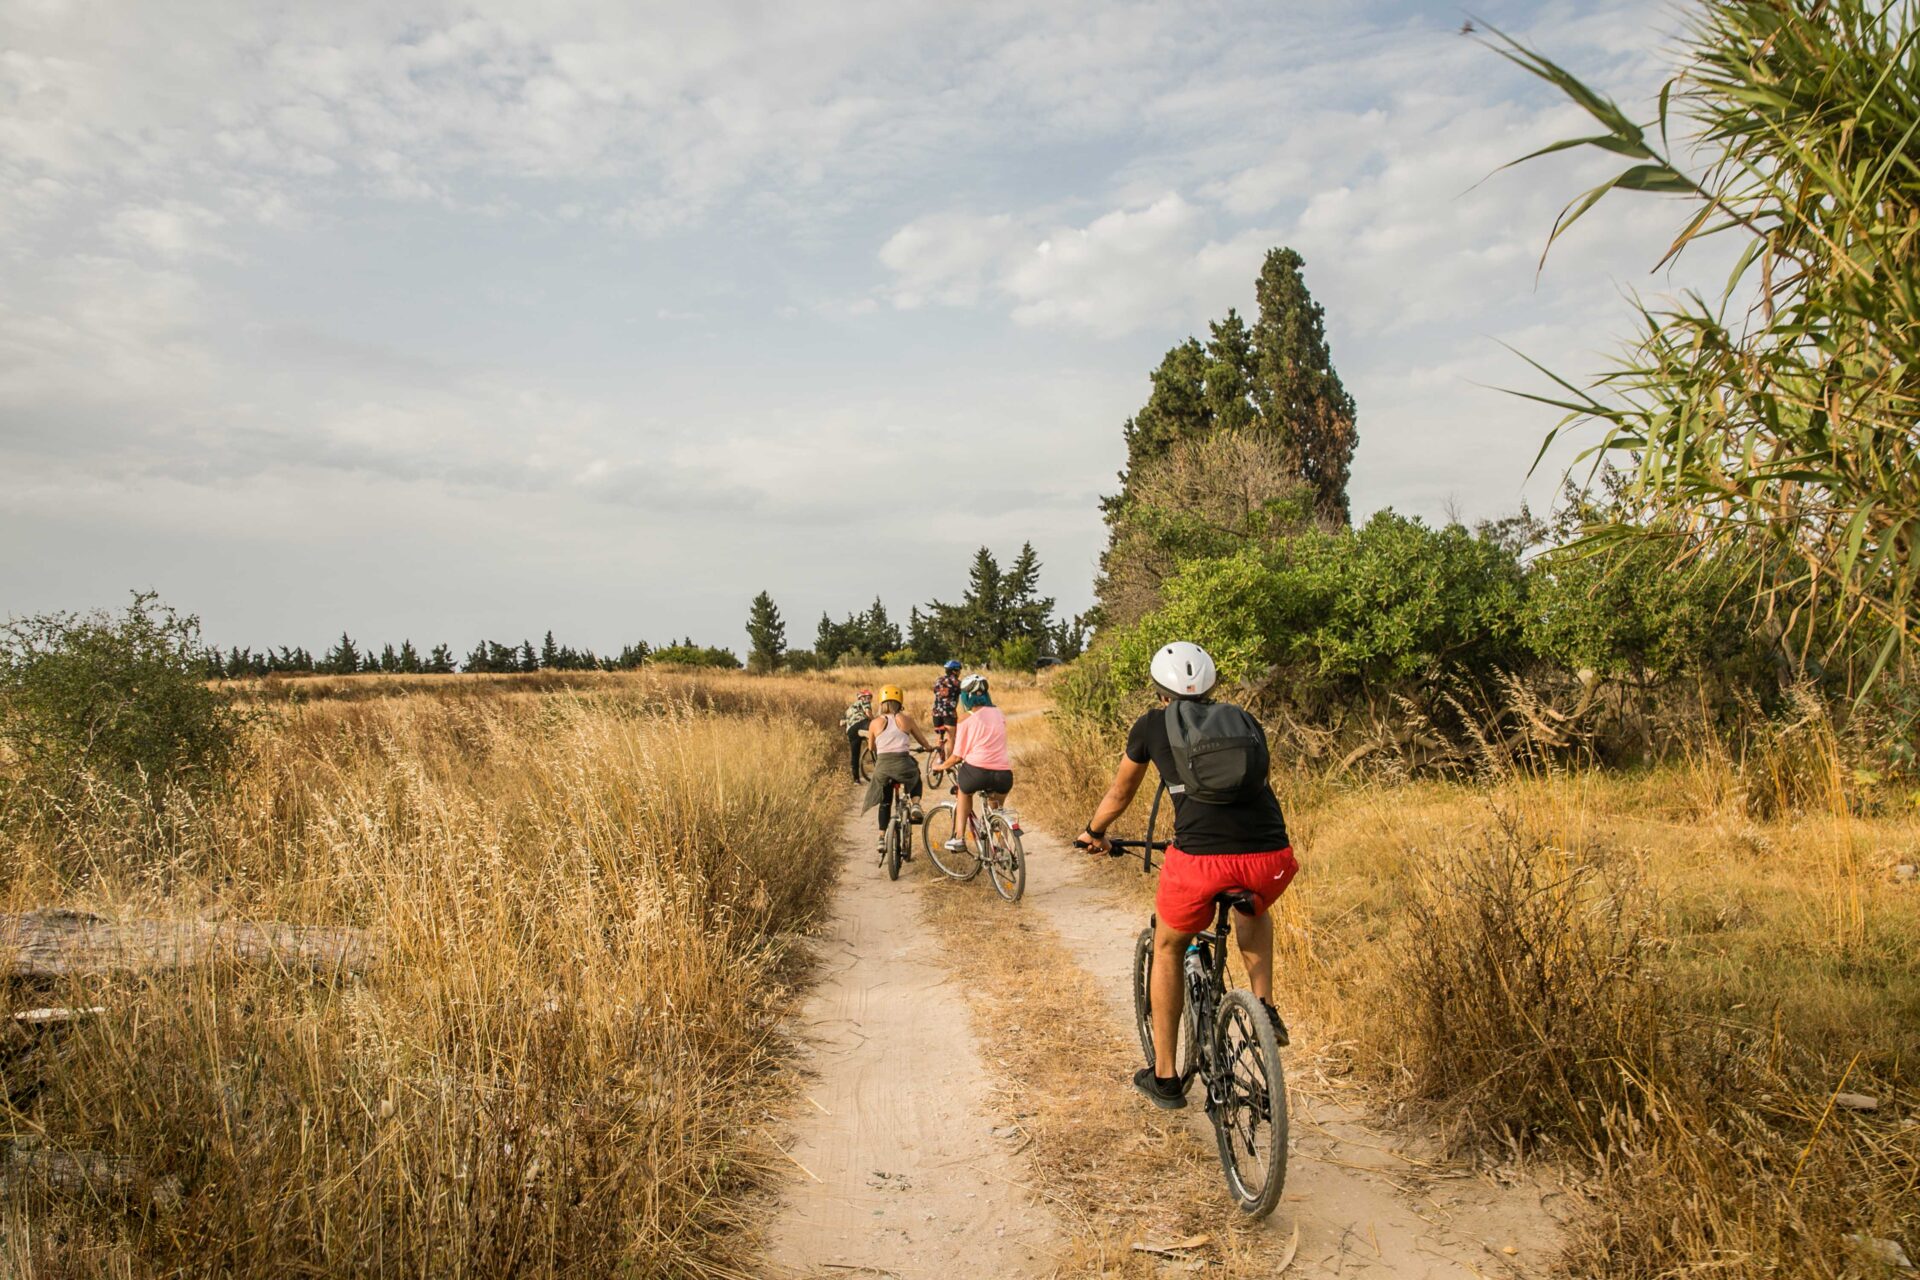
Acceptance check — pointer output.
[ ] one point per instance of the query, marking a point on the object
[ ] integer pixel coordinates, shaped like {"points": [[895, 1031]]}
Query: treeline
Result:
{"points": [[1001, 620], [487, 657]]}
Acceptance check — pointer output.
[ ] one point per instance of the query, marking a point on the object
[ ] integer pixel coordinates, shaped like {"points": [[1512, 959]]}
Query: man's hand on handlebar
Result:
{"points": [[1092, 842]]}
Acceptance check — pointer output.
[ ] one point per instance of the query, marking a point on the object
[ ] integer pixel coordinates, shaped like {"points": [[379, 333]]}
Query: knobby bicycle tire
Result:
{"points": [[1183, 1063], [935, 831], [896, 837], [1250, 1116], [1006, 860]]}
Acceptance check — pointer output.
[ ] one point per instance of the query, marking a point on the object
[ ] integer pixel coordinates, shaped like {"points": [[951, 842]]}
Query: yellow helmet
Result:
{"points": [[891, 693]]}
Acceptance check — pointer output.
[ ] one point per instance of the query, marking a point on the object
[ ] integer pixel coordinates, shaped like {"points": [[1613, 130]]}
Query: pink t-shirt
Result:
{"points": [[981, 740]]}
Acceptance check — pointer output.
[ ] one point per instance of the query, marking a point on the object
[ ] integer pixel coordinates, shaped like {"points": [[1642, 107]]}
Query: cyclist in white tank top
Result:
{"points": [[890, 738], [893, 733]]}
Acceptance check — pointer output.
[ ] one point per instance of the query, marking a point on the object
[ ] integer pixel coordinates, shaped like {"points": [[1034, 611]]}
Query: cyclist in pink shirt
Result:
{"points": [[980, 760]]}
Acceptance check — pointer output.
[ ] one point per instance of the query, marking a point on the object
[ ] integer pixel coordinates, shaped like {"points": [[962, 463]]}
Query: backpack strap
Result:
{"points": [[1182, 744]]}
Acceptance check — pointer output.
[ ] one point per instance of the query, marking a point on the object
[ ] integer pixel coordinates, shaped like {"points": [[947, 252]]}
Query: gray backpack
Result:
{"points": [[1218, 750]]}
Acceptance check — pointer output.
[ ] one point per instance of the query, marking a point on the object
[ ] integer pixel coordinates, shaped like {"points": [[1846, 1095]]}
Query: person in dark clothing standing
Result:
{"points": [[856, 718]]}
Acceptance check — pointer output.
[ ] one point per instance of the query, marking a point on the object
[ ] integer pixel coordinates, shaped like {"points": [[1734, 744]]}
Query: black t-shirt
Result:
{"points": [[1251, 824]]}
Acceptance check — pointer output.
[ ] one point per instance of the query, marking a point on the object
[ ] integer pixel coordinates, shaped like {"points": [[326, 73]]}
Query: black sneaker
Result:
{"points": [[1164, 1094], [1279, 1027]]}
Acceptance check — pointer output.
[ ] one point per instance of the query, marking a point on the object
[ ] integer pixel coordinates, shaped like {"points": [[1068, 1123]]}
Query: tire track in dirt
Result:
{"points": [[897, 1169]]}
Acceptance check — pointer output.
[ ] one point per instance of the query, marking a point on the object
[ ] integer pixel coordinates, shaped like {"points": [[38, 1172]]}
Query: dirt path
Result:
{"points": [[903, 1159], [1364, 1201], [902, 1174]]}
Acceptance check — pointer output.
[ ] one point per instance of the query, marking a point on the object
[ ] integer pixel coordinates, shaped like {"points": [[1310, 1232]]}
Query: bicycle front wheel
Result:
{"points": [[962, 863], [897, 838], [1006, 860], [1250, 1115]]}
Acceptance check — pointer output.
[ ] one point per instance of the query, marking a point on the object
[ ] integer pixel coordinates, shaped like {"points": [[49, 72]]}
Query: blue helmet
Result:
{"points": [[953, 664]]}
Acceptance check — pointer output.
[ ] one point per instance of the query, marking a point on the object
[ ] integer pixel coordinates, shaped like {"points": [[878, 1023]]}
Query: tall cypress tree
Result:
{"points": [[1295, 388], [767, 632]]}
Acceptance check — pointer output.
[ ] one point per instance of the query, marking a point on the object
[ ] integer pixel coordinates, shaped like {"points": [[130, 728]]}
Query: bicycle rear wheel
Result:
{"points": [[866, 762], [961, 864], [1143, 1012], [1006, 860], [1250, 1111]]}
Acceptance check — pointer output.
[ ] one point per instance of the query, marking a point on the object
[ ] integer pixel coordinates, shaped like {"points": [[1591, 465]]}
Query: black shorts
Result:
{"points": [[974, 781], [946, 721]]}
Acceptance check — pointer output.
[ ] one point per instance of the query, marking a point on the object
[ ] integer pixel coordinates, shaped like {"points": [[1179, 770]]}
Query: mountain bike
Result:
{"points": [[897, 839], [943, 734], [897, 846], [1227, 1042], [996, 834]]}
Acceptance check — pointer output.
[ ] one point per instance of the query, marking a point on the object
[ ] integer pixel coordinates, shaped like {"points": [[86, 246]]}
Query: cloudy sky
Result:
{"points": [[447, 320]]}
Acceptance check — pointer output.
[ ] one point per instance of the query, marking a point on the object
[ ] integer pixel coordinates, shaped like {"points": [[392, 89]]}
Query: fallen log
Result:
{"points": [[60, 943]]}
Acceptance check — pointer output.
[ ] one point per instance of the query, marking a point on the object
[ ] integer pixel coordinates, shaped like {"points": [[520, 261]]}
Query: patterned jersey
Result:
{"points": [[946, 698], [858, 713]]}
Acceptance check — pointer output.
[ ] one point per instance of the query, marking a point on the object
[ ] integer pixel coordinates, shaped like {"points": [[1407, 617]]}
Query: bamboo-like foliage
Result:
{"points": [[1777, 422]]}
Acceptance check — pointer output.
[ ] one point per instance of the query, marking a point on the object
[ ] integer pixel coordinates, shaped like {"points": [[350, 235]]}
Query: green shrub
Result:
{"points": [[1017, 654], [121, 699], [1319, 615], [689, 654], [1625, 610]]}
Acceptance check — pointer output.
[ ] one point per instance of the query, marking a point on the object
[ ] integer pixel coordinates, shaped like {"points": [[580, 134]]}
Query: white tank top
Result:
{"points": [[892, 739]]}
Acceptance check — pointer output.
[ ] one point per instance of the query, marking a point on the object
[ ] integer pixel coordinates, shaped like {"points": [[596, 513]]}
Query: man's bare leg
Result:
{"points": [[1255, 934], [1168, 989]]}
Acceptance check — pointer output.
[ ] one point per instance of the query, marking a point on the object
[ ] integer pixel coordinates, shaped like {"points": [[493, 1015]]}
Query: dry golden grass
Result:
{"points": [[1779, 964], [563, 1057]]}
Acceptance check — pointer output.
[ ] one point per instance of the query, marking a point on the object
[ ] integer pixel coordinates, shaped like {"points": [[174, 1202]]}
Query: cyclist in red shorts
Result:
{"points": [[1236, 839]]}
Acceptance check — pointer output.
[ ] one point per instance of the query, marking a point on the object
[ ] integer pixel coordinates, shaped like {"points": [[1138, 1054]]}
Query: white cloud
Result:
{"points": [[1109, 276]]}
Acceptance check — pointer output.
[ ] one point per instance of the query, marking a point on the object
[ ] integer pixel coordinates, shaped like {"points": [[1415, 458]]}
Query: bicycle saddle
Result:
{"points": [[1239, 899]]}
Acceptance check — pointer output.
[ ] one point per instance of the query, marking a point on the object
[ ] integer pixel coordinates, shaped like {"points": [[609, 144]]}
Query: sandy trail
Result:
{"points": [[899, 1171], [903, 1176], [1360, 1208]]}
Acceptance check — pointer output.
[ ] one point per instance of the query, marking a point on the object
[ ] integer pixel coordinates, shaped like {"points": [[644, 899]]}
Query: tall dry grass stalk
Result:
{"points": [[561, 1060]]}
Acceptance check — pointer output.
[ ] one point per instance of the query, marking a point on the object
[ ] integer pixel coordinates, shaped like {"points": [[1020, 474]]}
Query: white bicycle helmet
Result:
{"points": [[1184, 670], [973, 683]]}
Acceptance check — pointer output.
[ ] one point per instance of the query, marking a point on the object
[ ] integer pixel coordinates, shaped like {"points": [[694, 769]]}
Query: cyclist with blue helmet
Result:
{"points": [[946, 703]]}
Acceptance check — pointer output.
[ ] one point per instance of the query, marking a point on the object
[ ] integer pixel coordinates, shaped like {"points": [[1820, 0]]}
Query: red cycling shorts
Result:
{"points": [[1188, 882]]}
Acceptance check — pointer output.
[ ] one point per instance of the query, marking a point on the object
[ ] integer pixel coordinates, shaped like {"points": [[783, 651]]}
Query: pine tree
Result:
{"points": [[767, 633], [1023, 610], [549, 653], [1295, 387], [440, 661], [529, 660], [829, 640], [1229, 372], [409, 660], [1176, 409], [344, 659], [879, 634], [389, 659]]}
